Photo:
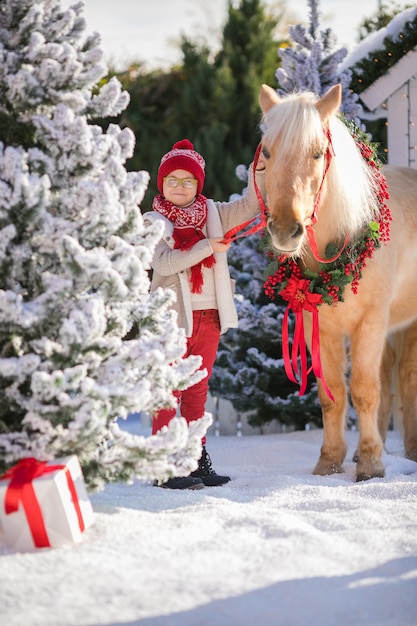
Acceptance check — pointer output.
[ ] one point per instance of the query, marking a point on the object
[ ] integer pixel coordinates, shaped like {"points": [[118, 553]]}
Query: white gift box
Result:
{"points": [[53, 509]]}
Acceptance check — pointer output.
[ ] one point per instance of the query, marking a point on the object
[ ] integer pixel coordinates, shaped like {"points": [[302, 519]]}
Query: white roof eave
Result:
{"points": [[387, 84]]}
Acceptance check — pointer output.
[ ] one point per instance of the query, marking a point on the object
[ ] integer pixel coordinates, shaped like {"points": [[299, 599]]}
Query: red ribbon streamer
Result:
{"points": [[20, 490], [299, 298]]}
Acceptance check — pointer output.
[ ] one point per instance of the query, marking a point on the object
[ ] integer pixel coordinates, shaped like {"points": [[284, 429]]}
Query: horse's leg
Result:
{"points": [[333, 359], [366, 352], [386, 398], [407, 374]]}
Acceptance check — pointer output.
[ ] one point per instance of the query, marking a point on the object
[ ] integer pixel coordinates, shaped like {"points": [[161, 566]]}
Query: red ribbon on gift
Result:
{"points": [[20, 490], [298, 297]]}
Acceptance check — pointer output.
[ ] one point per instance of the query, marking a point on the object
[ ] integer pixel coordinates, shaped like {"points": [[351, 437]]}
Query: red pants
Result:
{"points": [[204, 342]]}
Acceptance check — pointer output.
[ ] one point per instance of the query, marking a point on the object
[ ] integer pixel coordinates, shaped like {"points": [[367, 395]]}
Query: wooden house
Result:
{"points": [[396, 92], [393, 95]]}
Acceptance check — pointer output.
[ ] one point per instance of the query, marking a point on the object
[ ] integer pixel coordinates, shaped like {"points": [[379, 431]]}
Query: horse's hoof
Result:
{"points": [[326, 468], [412, 455], [368, 471], [361, 477]]}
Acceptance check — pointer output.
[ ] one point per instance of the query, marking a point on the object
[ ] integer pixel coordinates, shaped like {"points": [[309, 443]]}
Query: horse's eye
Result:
{"points": [[318, 155], [266, 154]]}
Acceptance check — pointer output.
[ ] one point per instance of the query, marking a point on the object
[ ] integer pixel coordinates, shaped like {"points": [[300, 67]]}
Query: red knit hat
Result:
{"points": [[182, 157]]}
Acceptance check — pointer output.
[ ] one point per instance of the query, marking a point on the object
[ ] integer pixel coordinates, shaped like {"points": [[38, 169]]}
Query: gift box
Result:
{"points": [[44, 504]]}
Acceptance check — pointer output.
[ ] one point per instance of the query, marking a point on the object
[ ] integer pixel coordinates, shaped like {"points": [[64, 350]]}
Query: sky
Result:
{"points": [[149, 31], [276, 546]]}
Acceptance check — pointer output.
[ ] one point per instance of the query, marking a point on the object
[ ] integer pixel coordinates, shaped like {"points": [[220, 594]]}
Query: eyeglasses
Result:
{"points": [[173, 181]]}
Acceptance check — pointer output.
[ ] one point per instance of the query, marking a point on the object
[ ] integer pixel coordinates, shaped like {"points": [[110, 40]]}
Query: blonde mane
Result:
{"points": [[349, 185]]}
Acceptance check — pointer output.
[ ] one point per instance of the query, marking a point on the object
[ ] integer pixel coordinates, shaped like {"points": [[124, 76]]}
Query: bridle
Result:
{"points": [[259, 222]]}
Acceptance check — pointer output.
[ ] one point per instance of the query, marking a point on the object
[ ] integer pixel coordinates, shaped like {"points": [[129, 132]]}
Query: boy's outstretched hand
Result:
{"points": [[261, 162], [218, 244]]}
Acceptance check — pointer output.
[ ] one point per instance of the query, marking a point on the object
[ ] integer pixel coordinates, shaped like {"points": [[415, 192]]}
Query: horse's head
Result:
{"points": [[294, 144]]}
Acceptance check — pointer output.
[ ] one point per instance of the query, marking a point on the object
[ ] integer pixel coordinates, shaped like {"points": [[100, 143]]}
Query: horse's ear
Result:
{"points": [[268, 98], [329, 104]]}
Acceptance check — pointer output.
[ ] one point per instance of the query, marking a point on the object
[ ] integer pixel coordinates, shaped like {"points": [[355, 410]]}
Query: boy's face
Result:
{"points": [[184, 192]]}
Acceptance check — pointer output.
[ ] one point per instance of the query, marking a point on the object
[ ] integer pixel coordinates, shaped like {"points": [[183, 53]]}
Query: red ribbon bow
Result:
{"points": [[299, 298], [20, 490]]}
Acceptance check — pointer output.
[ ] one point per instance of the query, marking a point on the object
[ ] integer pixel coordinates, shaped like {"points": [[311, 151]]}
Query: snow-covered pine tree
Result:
{"points": [[74, 261], [312, 64]]}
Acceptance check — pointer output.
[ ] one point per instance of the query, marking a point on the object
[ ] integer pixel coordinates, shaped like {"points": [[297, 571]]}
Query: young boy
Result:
{"points": [[191, 260]]}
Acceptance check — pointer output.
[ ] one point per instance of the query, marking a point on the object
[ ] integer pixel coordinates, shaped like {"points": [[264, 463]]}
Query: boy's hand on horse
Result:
{"points": [[218, 244], [261, 162]]}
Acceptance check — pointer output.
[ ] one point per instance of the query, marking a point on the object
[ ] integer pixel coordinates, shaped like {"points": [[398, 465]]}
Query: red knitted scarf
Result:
{"points": [[188, 230]]}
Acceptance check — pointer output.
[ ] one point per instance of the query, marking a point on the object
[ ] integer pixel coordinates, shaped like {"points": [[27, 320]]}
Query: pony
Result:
{"points": [[334, 199]]}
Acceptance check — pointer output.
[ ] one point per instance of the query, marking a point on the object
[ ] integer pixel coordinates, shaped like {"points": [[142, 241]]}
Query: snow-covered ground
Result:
{"points": [[277, 546]]}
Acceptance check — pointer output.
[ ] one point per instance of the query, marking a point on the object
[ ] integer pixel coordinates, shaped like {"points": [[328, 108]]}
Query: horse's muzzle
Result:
{"points": [[287, 239]]}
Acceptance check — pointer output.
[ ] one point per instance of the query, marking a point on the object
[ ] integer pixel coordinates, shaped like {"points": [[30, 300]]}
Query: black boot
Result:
{"points": [[207, 473], [181, 482]]}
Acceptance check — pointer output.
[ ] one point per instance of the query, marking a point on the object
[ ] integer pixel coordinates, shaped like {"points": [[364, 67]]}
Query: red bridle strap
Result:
{"points": [[314, 248], [258, 222], [330, 153]]}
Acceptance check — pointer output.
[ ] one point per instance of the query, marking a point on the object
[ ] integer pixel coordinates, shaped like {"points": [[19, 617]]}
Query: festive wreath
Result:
{"points": [[283, 275]]}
